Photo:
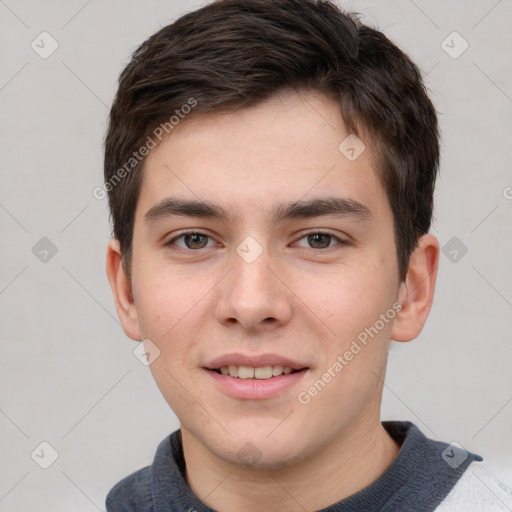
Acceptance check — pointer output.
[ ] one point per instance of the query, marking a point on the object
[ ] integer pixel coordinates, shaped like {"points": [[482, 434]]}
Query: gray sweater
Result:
{"points": [[419, 479]]}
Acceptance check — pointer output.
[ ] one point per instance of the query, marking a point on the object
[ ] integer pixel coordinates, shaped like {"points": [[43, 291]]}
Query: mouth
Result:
{"points": [[255, 377]]}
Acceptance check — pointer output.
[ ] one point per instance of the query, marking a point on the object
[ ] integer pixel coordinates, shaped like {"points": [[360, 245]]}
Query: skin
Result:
{"points": [[294, 300]]}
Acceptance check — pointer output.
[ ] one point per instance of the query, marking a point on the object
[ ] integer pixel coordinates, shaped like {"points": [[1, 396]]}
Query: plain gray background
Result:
{"points": [[68, 374]]}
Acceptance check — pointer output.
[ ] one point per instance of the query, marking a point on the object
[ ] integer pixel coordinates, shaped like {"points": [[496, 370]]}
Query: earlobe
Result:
{"points": [[417, 290], [122, 291]]}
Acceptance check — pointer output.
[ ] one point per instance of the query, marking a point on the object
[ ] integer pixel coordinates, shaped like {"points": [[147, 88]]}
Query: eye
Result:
{"points": [[320, 240], [191, 240]]}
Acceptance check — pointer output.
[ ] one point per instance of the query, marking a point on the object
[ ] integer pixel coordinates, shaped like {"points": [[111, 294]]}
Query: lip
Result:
{"points": [[254, 361], [255, 389]]}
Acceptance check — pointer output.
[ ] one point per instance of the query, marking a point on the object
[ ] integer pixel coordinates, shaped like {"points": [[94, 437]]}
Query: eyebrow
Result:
{"points": [[334, 206]]}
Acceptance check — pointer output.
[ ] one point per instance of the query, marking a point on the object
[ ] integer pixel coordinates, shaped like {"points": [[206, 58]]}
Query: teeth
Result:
{"points": [[265, 372], [277, 370], [247, 372]]}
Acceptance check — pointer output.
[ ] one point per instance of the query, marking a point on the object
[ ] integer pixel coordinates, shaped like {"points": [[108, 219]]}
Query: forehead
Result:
{"points": [[288, 148]]}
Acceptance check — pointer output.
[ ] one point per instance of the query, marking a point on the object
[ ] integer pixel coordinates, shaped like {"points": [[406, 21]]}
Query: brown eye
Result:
{"points": [[319, 240], [191, 240], [195, 241]]}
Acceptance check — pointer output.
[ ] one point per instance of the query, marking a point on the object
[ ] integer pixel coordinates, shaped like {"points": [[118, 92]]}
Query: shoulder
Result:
{"points": [[132, 493], [139, 491], [426, 471], [483, 486]]}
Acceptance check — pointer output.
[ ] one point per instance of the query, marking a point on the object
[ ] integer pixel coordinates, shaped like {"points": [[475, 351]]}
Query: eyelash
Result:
{"points": [[339, 241]]}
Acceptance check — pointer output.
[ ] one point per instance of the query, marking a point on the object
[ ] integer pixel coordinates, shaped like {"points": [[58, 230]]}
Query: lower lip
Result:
{"points": [[255, 389]]}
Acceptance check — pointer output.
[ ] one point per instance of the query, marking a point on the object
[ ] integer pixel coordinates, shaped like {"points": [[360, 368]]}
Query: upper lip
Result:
{"points": [[253, 361]]}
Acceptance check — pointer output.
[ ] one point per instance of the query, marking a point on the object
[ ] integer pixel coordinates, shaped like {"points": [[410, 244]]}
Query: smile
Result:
{"points": [[248, 372]]}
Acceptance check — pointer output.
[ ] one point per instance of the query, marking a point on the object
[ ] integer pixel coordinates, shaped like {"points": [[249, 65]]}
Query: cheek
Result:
{"points": [[172, 309], [350, 303], [167, 300], [169, 308], [346, 297]]}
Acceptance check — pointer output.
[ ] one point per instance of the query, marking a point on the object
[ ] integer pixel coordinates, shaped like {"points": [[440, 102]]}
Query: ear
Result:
{"points": [[417, 290], [122, 290]]}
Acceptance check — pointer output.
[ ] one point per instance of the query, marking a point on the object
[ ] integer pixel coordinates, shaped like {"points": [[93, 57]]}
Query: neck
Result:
{"points": [[347, 465]]}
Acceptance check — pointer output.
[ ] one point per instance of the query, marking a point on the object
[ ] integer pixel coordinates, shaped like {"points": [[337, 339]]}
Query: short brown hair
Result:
{"points": [[236, 53]]}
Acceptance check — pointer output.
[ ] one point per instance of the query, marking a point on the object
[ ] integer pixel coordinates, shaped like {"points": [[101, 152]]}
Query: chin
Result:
{"points": [[264, 456], [261, 448]]}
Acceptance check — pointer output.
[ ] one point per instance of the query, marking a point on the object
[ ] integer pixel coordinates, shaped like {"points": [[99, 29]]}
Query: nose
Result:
{"points": [[254, 296]]}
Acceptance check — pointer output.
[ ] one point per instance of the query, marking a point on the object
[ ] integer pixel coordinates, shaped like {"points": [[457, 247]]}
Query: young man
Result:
{"points": [[270, 166]]}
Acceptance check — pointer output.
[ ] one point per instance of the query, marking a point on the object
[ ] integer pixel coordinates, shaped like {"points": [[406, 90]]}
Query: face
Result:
{"points": [[259, 245]]}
